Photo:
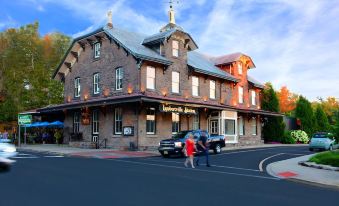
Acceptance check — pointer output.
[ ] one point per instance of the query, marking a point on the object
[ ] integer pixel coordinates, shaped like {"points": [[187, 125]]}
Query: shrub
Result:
{"points": [[327, 158], [288, 139], [300, 136]]}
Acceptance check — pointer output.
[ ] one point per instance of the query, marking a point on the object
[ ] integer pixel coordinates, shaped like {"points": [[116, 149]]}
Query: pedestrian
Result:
{"points": [[189, 150], [203, 148], [5, 135]]}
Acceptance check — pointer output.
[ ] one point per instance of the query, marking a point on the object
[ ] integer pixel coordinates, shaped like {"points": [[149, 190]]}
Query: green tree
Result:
{"points": [[321, 119], [304, 112], [273, 129]]}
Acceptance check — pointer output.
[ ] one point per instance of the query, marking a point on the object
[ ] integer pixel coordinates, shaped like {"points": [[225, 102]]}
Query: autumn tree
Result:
{"points": [[304, 112], [287, 100], [273, 129]]}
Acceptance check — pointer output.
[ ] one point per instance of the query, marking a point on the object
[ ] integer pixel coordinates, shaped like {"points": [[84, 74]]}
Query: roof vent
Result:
{"points": [[109, 19]]}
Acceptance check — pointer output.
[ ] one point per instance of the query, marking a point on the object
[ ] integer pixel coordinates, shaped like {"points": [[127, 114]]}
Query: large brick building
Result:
{"points": [[130, 89]]}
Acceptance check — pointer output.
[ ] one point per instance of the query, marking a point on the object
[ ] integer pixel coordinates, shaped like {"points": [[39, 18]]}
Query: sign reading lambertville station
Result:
{"points": [[24, 119], [177, 109]]}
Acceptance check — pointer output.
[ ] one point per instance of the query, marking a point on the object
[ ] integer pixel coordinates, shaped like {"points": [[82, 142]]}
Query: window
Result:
{"points": [[239, 68], [76, 122], [195, 86], [175, 82], [212, 89], [96, 79], [229, 126], [175, 48], [254, 126], [97, 50], [118, 78], [241, 95], [253, 97], [150, 121], [77, 87], [241, 126], [175, 123], [150, 78], [95, 122], [214, 126], [196, 121], [118, 121]]}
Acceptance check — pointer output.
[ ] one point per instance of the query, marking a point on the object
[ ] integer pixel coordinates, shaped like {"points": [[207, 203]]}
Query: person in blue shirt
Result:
{"points": [[203, 148]]}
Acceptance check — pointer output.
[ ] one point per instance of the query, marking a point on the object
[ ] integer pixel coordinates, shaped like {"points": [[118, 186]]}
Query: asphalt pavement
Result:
{"points": [[236, 177]]}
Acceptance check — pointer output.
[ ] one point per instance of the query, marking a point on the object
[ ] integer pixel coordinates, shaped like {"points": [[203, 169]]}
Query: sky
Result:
{"points": [[293, 43]]}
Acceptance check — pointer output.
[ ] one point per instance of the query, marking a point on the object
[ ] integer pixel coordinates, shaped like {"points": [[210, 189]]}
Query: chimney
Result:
{"points": [[109, 19]]}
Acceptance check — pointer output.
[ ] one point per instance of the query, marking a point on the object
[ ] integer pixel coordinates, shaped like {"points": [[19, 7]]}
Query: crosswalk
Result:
{"points": [[35, 156]]}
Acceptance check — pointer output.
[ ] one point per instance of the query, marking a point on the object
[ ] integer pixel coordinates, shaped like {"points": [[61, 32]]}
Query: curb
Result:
{"points": [[318, 166]]}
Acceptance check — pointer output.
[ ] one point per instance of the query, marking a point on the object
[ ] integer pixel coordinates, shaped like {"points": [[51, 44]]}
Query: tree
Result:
{"points": [[27, 63], [321, 119], [304, 112], [273, 129], [287, 100]]}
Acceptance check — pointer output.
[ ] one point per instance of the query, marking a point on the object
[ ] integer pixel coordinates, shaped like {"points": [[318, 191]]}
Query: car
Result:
{"points": [[176, 144], [7, 151], [323, 141]]}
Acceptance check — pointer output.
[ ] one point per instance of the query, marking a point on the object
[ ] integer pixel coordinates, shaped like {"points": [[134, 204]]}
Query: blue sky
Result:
{"points": [[292, 42]]}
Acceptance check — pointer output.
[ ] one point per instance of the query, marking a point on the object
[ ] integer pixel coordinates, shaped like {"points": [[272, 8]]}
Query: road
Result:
{"points": [[234, 179]]}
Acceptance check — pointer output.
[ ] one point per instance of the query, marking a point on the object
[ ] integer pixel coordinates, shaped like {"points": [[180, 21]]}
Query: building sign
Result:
{"points": [[24, 119], [128, 131], [177, 109]]}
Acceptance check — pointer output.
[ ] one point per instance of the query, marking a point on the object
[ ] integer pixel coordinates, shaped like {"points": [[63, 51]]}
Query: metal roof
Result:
{"points": [[255, 82], [202, 64]]}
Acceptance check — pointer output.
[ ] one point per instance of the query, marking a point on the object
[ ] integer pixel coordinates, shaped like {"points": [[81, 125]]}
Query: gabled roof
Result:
{"points": [[161, 36], [202, 64], [255, 82], [229, 58]]}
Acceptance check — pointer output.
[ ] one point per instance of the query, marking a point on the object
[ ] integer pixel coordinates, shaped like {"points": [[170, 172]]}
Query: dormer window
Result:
{"points": [[97, 47], [175, 48], [77, 87], [239, 68]]}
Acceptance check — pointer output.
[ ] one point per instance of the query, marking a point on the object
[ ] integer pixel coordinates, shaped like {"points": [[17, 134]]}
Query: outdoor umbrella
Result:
{"points": [[56, 124]]}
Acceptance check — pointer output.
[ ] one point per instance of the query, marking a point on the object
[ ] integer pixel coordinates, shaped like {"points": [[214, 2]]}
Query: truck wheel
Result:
{"points": [[217, 149]]}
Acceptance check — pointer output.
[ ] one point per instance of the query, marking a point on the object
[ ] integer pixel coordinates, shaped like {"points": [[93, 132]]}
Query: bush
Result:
{"points": [[300, 136], [288, 139], [327, 158]]}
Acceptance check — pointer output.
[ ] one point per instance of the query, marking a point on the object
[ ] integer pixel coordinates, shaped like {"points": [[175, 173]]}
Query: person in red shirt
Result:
{"points": [[189, 149]]}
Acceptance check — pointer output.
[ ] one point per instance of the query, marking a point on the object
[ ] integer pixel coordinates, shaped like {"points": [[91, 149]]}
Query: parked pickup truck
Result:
{"points": [[175, 145]]}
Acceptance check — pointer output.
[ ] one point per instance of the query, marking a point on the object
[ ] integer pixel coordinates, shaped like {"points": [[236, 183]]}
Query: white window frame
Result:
{"points": [[119, 75], [212, 89], [239, 68], [77, 87], [150, 77], [175, 82], [195, 86], [196, 121], [254, 127], [176, 121], [175, 48], [95, 121], [214, 126], [241, 128], [253, 97], [117, 119], [76, 122], [150, 116], [97, 47], [96, 89], [241, 94], [234, 125]]}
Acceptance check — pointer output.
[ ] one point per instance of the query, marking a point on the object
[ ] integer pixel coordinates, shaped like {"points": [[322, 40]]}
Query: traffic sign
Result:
{"points": [[24, 119]]}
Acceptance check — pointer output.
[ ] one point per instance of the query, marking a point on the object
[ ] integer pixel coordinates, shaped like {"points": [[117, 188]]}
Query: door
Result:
{"points": [[214, 126], [95, 126]]}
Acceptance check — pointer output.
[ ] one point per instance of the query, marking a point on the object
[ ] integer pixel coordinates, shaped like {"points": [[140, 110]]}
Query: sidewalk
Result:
{"points": [[79, 152], [290, 169]]}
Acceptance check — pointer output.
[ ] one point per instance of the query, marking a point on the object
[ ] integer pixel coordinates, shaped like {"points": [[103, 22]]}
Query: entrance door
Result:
{"points": [[214, 126], [95, 126]]}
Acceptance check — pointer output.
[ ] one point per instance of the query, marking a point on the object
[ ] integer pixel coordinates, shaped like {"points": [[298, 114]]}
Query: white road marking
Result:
{"points": [[262, 162], [221, 166], [196, 169], [228, 153], [23, 154], [26, 157], [55, 156]]}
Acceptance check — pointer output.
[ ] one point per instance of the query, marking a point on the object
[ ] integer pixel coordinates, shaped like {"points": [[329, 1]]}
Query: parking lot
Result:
{"points": [[236, 177]]}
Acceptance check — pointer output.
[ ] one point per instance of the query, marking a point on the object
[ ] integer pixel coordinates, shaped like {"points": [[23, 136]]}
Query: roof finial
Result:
{"points": [[171, 12], [109, 19]]}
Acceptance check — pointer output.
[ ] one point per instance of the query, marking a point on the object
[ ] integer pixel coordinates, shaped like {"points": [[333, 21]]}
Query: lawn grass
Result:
{"points": [[327, 158]]}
